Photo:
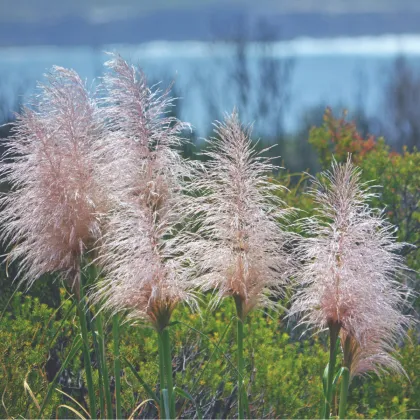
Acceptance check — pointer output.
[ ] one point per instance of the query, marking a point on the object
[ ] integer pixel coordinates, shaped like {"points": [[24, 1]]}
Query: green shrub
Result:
{"points": [[283, 371]]}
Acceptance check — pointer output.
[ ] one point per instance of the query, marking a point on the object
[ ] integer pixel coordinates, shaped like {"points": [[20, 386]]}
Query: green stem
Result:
{"points": [[240, 343], [117, 365], [86, 354], [92, 323], [161, 370], [103, 365], [345, 382], [166, 341], [334, 331]]}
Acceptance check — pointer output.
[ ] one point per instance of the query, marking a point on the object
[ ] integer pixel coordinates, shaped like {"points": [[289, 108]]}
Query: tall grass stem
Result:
{"points": [[345, 382], [104, 367], [240, 343], [166, 341], [117, 365], [161, 369], [334, 332], [92, 323], [86, 353]]}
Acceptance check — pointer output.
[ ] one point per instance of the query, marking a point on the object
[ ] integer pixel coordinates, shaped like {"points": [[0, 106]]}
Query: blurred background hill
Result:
{"points": [[98, 22]]}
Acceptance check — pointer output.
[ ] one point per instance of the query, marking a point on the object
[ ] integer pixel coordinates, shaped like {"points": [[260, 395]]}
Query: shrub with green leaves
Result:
{"points": [[34, 340], [282, 376]]}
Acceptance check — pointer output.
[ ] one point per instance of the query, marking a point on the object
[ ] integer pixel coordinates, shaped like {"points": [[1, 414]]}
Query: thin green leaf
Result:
{"points": [[147, 388], [338, 376], [71, 398], [117, 365], [325, 380], [10, 299], [217, 347], [31, 394], [4, 392], [187, 396], [75, 348], [208, 339], [60, 328]]}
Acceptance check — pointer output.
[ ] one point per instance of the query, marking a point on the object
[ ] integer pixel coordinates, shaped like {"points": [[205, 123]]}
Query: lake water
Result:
{"points": [[346, 72]]}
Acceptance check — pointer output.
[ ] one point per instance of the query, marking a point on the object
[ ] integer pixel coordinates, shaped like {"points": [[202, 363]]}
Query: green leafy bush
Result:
{"points": [[283, 371], [34, 339]]}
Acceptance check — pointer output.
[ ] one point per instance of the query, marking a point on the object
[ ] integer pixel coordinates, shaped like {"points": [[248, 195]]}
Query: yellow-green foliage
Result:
{"points": [[283, 371], [399, 178], [29, 333]]}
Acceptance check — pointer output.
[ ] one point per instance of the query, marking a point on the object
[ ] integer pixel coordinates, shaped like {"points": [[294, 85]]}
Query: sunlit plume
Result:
{"points": [[51, 216], [142, 256], [351, 270], [242, 246]]}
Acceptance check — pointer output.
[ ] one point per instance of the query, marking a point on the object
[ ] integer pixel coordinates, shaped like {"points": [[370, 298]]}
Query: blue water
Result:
{"points": [[343, 72]]}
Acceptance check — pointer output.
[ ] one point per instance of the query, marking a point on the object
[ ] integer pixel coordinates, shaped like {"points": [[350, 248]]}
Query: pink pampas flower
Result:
{"points": [[241, 252], [142, 255], [350, 273], [51, 215]]}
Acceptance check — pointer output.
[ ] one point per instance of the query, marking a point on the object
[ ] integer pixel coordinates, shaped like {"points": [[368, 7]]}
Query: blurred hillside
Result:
{"points": [[48, 22]]}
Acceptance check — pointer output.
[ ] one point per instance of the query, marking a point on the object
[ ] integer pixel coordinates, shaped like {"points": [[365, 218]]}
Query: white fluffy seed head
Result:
{"points": [[371, 355], [52, 213], [351, 267], [241, 250], [143, 259]]}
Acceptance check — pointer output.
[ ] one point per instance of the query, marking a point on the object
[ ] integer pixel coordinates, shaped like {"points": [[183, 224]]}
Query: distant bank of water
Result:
{"points": [[350, 72]]}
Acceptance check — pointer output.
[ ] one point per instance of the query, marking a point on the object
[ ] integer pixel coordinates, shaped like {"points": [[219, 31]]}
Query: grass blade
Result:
{"points": [[117, 364], [216, 348], [138, 407], [60, 328], [92, 323], [4, 392], [345, 382], [168, 370], [103, 365], [187, 396], [71, 398], [245, 395], [72, 410], [75, 348], [147, 388], [86, 355], [208, 339], [29, 391]]}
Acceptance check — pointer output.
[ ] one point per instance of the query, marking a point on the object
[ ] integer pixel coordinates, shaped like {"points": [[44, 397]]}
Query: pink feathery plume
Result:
{"points": [[143, 137], [242, 247], [350, 273], [374, 355], [52, 213], [142, 256]]}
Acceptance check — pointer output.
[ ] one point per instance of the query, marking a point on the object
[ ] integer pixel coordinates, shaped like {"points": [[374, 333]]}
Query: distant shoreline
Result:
{"points": [[318, 77], [383, 45]]}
